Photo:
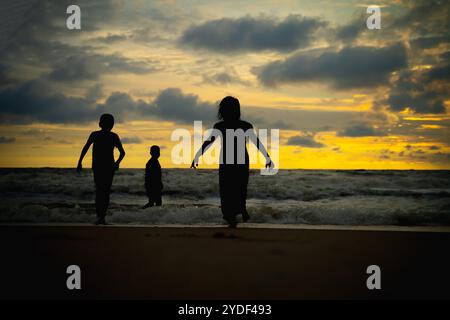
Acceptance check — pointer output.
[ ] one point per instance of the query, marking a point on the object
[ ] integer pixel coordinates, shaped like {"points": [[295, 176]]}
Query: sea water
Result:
{"points": [[315, 197]]}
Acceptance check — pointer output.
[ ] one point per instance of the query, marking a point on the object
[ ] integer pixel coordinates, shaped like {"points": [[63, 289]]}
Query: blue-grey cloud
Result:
{"points": [[439, 73], [361, 130], [94, 92], [123, 107], [351, 67], [423, 17], [418, 92], [428, 42], [92, 66], [173, 104], [5, 79], [252, 34], [131, 140], [224, 77], [426, 22], [305, 140], [349, 32], [32, 102], [37, 43], [170, 104]]}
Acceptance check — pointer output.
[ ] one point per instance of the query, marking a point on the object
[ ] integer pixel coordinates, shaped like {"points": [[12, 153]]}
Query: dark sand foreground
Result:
{"points": [[219, 263]]}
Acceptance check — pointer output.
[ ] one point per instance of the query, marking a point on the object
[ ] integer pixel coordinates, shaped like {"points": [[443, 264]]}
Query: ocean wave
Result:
{"points": [[191, 197], [301, 185], [358, 210]]}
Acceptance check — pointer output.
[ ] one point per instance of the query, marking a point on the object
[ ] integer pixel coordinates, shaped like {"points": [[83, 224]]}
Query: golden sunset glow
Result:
{"points": [[159, 65]]}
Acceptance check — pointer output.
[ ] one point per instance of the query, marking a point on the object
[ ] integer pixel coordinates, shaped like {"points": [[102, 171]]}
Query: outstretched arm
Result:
{"points": [[254, 138], [121, 155], [83, 152], [206, 144]]}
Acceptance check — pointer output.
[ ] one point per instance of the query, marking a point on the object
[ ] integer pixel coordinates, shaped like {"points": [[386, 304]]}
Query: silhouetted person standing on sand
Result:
{"points": [[234, 164], [103, 163], [153, 179]]}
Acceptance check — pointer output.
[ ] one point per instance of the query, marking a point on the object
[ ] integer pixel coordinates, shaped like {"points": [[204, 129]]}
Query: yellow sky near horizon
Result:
{"points": [[60, 146]]}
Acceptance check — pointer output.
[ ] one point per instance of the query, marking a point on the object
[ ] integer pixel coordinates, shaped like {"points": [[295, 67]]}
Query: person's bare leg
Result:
{"points": [[147, 205], [245, 216], [99, 205], [232, 224], [158, 200]]}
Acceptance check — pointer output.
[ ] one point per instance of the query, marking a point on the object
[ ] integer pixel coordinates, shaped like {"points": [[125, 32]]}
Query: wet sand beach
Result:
{"points": [[212, 262]]}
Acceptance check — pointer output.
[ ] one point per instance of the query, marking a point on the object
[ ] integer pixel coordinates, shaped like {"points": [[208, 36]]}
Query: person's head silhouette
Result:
{"points": [[229, 109], [154, 152], [106, 122]]}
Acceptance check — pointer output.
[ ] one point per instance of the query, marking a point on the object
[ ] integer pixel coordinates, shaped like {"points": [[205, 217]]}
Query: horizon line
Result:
{"points": [[280, 169]]}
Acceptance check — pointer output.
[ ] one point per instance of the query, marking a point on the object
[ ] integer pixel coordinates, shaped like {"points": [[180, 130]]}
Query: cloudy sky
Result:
{"points": [[343, 96]]}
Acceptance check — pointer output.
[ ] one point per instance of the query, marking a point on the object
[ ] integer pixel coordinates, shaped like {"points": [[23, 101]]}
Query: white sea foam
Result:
{"points": [[191, 197]]}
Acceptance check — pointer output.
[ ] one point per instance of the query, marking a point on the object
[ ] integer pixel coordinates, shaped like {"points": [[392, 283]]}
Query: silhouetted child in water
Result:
{"points": [[153, 180], [234, 165], [103, 163]]}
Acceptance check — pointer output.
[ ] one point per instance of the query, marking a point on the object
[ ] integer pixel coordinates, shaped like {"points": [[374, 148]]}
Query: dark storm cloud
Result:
{"points": [[4, 77], [50, 15], [123, 106], [7, 140], [445, 56], [75, 68], [31, 102], [439, 73], [72, 63], [173, 104], [424, 17], [252, 34], [424, 102], [38, 42], [30, 26], [170, 104], [425, 21], [13, 15], [91, 66], [429, 42], [349, 32], [34, 102], [422, 92], [306, 141], [351, 67], [94, 92], [352, 30], [360, 130], [418, 93]]}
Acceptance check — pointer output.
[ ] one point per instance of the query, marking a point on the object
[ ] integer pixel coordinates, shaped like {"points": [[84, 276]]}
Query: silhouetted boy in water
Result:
{"points": [[103, 163], [153, 183]]}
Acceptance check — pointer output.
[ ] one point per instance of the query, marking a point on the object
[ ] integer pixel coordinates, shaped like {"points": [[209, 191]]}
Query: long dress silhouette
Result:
{"points": [[234, 134]]}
